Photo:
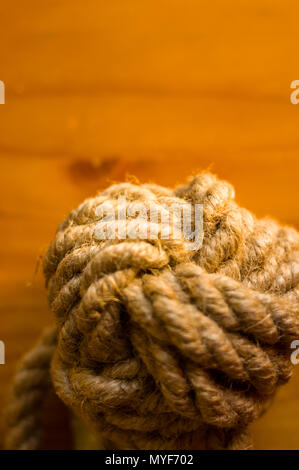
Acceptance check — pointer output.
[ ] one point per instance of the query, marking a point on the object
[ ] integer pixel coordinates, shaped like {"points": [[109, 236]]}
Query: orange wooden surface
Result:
{"points": [[97, 90]]}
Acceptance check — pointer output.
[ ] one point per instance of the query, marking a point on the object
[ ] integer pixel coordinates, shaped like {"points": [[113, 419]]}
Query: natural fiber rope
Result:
{"points": [[23, 416], [160, 347]]}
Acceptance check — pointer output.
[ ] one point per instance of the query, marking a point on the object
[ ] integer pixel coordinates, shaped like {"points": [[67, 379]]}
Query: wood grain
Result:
{"points": [[98, 90]]}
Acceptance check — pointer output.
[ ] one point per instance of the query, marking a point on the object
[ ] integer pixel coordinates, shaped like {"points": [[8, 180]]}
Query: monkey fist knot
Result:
{"points": [[160, 346]]}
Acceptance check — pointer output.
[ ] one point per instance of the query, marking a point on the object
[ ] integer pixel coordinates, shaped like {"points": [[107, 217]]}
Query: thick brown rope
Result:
{"points": [[161, 347], [23, 415]]}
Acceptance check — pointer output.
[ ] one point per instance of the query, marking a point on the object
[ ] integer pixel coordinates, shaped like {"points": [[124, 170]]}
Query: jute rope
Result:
{"points": [[158, 346]]}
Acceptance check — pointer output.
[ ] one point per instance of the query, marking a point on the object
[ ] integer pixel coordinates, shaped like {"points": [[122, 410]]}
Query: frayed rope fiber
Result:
{"points": [[157, 346]]}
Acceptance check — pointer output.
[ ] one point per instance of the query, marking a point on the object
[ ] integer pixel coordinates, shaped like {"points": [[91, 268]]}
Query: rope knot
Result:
{"points": [[159, 345]]}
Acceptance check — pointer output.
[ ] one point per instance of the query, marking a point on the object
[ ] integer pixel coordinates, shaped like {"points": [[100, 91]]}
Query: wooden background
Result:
{"points": [[96, 90]]}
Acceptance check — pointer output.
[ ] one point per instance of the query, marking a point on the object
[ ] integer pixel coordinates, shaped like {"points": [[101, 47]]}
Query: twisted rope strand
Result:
{"points": [[23, 415]]}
